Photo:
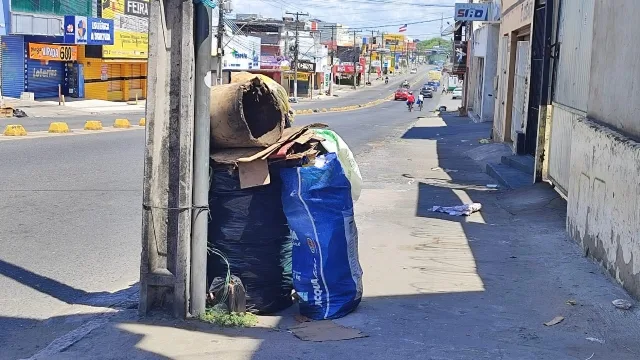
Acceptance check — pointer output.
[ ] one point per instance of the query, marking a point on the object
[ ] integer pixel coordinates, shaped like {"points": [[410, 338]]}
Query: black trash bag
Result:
{"points": [[249, 227]]}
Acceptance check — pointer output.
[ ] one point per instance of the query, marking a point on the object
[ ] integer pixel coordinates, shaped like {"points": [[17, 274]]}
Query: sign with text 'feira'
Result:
{"points": [[131, 28], [47, 52], [471, 12]]}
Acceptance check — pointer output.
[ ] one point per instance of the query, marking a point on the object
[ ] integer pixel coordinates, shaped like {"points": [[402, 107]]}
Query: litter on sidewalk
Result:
{"points": [[459, 210]]}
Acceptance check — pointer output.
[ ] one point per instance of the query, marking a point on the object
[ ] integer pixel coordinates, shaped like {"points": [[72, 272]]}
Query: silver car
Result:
{"points": [[457, 93]]}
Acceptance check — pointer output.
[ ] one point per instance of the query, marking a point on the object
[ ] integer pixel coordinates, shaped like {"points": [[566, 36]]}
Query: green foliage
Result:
{"points": [[438, 41], [224, 318]]}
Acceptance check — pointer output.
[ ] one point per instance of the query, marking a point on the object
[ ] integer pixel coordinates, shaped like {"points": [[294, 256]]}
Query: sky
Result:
{"points": [[365, 15]]}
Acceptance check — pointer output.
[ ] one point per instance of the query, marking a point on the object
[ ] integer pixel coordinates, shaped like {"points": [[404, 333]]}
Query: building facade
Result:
{"points": [[77, 48]]}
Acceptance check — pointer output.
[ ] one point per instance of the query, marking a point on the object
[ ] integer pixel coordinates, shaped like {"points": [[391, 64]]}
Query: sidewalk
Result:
{"points": [[73, 107], [436, 286]]}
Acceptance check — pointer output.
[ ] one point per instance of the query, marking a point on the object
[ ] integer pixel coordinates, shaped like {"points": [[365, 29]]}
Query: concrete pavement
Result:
{"points": [[436, 286]]}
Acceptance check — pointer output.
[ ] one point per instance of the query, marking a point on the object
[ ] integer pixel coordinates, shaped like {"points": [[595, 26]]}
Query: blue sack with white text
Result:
{"points": [[326, 271]]}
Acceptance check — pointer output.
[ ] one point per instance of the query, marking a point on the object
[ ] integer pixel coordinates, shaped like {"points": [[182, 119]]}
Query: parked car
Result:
{"points": [[401, 94], [426, 92], [414, 71], [457, 93]]}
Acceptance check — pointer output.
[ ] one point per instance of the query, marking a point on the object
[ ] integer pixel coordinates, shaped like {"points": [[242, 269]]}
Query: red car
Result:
{"points": [[401, 94]]}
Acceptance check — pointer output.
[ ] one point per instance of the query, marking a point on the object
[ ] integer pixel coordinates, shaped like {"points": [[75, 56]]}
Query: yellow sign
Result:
{"points": [[131, 31], [302, 76], [53, 52], [394, 39]]}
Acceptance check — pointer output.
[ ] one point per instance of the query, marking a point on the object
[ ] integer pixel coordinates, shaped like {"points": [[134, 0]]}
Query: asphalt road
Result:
{"points": [[74, 122], [70, 220], [366, 94]]}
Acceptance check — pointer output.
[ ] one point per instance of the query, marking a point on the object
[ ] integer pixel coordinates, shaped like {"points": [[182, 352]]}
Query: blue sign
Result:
{"points": [[471, 12], [88, 31]]}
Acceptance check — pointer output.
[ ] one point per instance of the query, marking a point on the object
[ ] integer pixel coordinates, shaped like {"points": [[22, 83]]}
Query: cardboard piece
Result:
{"points": [[252, 162], [325, 330], [254, 173]]}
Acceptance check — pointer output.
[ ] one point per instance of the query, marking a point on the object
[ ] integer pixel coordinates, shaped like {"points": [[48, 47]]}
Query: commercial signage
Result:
{"points": [[471, 12], [88, 31], [131, 28], [302, 76], [306, 66], [47, 52], [376, 63]]}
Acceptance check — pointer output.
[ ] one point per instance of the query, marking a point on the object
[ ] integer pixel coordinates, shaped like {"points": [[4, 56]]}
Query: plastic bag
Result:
{"points": [[326, 271], [334, 144], [249, 227]]}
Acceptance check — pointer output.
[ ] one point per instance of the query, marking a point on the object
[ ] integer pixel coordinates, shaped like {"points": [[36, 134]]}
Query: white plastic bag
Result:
{"points": [[334, 143]]}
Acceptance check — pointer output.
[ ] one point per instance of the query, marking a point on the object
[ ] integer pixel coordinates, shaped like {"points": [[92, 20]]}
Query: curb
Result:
{"points": [[15, 130], [142, 122], [58, 128], [93, 125], [121, 124]]}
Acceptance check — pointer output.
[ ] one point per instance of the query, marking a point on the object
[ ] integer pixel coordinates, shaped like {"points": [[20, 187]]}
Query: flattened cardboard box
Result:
{"points": [[253, 167]]}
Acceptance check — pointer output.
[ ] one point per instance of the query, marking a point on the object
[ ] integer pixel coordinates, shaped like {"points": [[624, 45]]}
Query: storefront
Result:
{"points": [[13, 65], [118, 71], [45, 66]]}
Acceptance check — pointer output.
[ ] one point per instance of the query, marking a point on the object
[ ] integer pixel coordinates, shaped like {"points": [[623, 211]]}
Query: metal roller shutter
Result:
{"points": [[12, 66], [43, 78], [114, 90], [136, 77]]}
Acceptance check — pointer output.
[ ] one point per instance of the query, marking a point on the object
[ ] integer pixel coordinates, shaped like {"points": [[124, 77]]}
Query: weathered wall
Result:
{"points": [[490, 71], [615, 66], [603, 212]]}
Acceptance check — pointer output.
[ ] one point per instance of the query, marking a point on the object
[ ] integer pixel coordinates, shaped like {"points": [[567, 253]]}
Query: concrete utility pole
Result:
{"points": [[355, 58], [296, 53], [167, 198], [333, 29], [220, 42], [370, 53], [201, 136]]}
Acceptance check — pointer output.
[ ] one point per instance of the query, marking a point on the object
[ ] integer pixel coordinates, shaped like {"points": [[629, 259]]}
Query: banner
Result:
{"points": [[47, 52], [131, 39], [88, 31]]}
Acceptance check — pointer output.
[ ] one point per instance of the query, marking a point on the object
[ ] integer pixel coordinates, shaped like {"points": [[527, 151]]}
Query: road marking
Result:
{"points": [[73, 132]]}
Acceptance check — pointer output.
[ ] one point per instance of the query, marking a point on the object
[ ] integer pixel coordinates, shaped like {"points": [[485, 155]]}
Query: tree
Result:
{"points": [[438, 41]]}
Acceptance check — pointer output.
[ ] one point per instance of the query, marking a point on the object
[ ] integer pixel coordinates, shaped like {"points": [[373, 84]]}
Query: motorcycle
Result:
{"points": [[386, 81]]}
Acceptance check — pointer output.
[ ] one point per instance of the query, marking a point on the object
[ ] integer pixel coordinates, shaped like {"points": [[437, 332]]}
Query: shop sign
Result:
{"points": [[306, 66], [471, 12], [376, 63], [104, 72], [88, 31], [301, 76], [47, 52], [131, 29]]}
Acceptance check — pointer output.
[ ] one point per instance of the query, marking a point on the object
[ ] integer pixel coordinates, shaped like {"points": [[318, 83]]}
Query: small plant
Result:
{"points": [[224, 318]]}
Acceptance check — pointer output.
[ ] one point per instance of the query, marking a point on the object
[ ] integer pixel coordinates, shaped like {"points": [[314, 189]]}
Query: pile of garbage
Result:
{"points": [[281, 199]]}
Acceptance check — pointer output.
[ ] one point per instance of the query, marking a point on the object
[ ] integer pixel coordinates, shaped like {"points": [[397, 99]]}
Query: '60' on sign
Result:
{"points": [[471, 12]]}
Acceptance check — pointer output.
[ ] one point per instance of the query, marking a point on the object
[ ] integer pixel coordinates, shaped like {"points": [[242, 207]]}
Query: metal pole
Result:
{"points": [[331, 68], [201, 135], [295, 62], [220, 39]]}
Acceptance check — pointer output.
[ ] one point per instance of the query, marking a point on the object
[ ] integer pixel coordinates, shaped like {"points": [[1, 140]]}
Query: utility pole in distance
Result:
{"points": [[355, 58], [220, 42], [296, 53], [333, 29], [370, 53]]}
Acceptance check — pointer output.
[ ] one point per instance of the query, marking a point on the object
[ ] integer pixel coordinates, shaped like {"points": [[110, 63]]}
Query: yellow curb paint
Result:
{"points": [[15, 130], [121, 124], [93, 125], [58, 127]]}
